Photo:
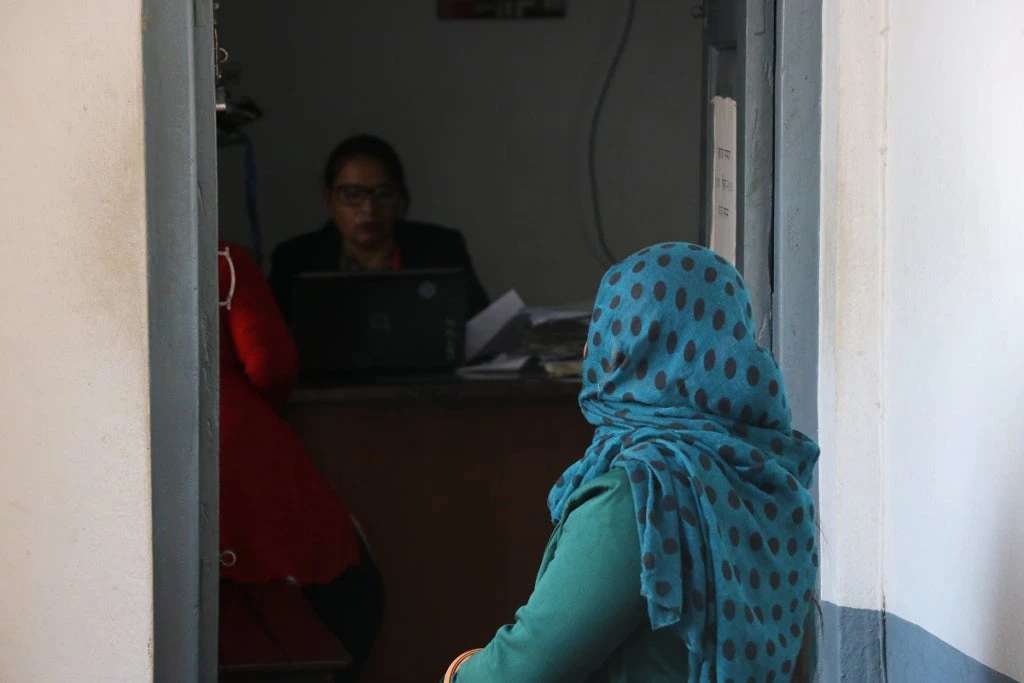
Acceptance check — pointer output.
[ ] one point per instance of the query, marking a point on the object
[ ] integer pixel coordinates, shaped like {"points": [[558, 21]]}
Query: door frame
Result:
{"points": [[797, 236], [777, 84], [182, 236], [741, 34], [797, 204], [181, 217]]}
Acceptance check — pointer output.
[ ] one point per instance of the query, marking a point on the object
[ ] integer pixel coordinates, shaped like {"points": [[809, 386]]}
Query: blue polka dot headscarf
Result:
{"points": [[686, 402]]}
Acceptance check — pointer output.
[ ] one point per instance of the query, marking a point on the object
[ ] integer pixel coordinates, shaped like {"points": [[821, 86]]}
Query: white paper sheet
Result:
{"points": [[564, 369], [501, 365], [486, 324], [723, 167], [539, 316]]}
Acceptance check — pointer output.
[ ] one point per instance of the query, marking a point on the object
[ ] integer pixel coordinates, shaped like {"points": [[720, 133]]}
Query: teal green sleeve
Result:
{"points": [[586, 602]]}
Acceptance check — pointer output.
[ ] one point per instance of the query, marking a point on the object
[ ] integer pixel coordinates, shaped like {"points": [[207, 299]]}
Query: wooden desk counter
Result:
{"points": [[449, 480]]}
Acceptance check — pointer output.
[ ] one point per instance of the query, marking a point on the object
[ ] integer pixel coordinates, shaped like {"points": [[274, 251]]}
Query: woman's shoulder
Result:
{"points": [[234, 264], [611, 492]]}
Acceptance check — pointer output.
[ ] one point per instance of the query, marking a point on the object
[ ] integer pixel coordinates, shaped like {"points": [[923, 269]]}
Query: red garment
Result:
{"points": [[277, 515]]}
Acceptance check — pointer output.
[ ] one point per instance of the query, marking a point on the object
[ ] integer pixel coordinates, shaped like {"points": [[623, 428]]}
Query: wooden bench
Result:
{"points": [[270, 633]]}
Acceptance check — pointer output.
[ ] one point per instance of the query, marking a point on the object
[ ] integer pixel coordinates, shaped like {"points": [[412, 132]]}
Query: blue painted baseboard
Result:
{"points": [[913, 654], [851, 651], [850, 647]]}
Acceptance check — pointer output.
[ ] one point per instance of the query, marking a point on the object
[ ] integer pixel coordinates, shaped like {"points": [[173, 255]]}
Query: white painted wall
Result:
{"points": [[490, 118], [850, 336], [954, 362], [75, 539], [922, 371]]}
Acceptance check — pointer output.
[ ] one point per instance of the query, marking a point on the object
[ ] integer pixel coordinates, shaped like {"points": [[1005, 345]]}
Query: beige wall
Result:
{"points": [[850, 371], [921, 337], [953, 434], [75, 527]]}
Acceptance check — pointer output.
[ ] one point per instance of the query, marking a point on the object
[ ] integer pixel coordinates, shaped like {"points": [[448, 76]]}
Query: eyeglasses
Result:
{"points": [[357, 195]]}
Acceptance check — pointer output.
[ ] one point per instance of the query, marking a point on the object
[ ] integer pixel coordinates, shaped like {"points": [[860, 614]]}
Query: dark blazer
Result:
{"points": [[422, 246]]}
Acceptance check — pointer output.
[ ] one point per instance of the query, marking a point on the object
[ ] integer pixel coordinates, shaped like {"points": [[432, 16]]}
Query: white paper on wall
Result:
{"points": [[723, 171]]}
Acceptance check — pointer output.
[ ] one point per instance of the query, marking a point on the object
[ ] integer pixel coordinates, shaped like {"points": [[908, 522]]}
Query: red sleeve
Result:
{"points": [[259, 333]]}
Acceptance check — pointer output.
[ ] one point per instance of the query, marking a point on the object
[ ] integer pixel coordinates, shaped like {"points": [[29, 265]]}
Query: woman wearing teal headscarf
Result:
{"points": [[685, 542]]}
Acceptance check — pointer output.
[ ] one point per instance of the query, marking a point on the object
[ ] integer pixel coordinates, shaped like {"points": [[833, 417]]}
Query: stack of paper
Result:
{"points": [[503, 338], [502, 365], [541, 316], [484, 329]]}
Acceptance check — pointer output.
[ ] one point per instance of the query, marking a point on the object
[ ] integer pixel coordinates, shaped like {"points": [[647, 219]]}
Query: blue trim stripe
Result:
{"points": [[851, 652]]}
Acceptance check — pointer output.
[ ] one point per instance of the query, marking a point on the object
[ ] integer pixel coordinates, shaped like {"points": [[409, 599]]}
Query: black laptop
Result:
{"points": [[363, 325]]}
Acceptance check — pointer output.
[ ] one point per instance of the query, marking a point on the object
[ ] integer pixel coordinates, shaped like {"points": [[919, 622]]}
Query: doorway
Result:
{"points": [[780, 224]]}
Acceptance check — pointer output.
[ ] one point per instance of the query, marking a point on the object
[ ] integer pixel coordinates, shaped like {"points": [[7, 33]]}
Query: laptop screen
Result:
{"points": [[347, 324]]}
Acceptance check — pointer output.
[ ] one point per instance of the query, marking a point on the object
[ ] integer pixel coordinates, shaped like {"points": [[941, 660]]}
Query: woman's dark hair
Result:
{"points": [[371, 147]]}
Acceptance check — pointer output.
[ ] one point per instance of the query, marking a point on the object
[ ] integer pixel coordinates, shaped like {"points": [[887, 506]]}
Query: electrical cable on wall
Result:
{"points": [[595, 120]]}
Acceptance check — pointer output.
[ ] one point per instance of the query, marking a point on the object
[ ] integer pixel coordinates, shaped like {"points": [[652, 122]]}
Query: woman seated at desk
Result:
{"points": [[365, 190]]}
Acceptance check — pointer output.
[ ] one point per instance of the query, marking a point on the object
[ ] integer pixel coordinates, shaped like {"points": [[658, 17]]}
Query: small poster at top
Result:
{"points": [[501, 9]]}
